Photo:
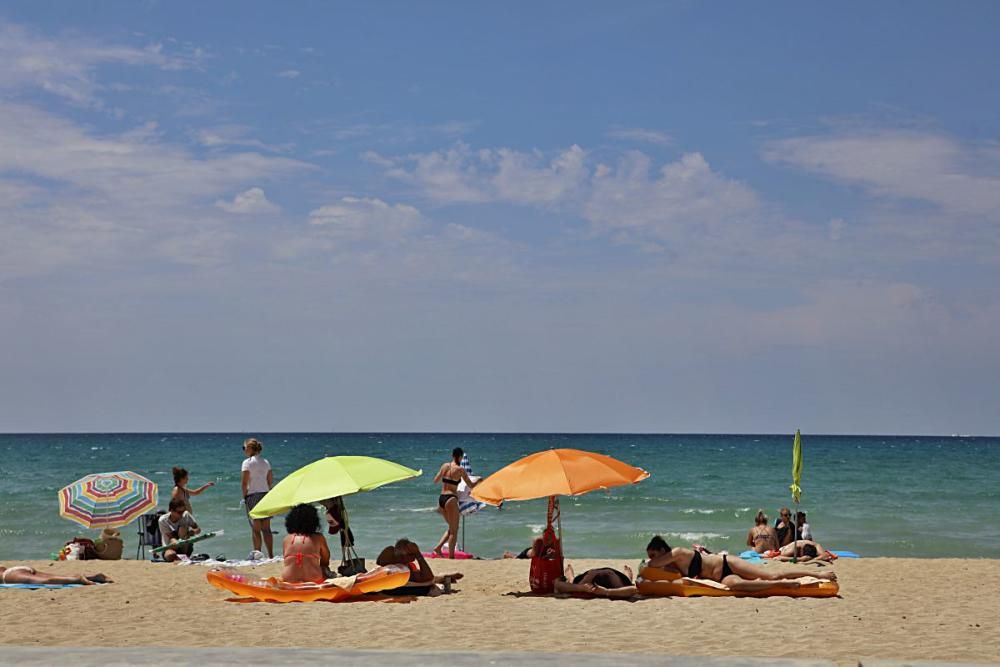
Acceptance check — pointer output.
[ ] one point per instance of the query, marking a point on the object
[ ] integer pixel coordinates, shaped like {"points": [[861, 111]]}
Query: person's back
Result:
{"points": [[303, 555], [306, 554], [762, 537]]}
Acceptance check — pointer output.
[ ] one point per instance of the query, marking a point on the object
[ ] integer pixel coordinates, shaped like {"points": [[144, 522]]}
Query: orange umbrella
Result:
{"points": [[556, 472]]}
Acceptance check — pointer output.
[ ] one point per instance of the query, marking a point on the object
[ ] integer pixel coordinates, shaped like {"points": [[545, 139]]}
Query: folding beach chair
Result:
{"points": [[149, 534]]}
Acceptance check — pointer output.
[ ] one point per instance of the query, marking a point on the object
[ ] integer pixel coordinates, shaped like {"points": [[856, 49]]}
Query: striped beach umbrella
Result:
{"points": [[107, 499]]}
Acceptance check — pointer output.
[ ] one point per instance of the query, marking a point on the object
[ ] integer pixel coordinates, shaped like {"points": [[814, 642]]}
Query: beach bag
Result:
{"points": [[109, 545], [350, 564], [546, 563], [85, 549]]}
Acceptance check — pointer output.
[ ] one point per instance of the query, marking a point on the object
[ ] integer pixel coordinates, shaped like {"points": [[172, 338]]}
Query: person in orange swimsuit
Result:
{"points": [[307, 555]]}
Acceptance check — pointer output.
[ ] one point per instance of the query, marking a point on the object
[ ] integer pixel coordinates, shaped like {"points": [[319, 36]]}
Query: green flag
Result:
{"points": [[796, 466]]}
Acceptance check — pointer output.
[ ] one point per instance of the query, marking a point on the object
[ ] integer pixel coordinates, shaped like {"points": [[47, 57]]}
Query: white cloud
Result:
{"points": [[84, 197], [65, 66], [460, 174], [641, 135], [248, 202], [902, 165], [366, 219], [236, 135], [290, 74], [685, 201]]}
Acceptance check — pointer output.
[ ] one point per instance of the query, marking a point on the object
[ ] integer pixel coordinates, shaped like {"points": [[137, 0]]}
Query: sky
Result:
{"points": [[670, 217]]}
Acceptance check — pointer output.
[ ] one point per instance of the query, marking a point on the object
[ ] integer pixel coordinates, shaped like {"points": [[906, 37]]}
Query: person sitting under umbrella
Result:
{"points": [[177, 525], [605, 582], [737, 574], [423, 581], [306, 554], [25, 574]]}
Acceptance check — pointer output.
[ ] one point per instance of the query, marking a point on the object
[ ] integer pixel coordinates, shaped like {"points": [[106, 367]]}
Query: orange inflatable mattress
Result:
{"points": [[272, 589], [655, 582]]}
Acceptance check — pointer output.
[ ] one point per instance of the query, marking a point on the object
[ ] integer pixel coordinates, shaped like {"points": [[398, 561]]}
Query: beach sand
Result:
{"points": [[889, 608]]}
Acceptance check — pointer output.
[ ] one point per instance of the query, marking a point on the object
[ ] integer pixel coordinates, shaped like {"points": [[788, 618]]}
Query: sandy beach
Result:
{"points": [[890, 608]]}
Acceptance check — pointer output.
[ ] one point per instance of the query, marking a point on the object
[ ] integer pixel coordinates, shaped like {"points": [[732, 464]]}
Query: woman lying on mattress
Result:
{"points": [[23, 574], [802, 551], [737, 574], [605, 582]]}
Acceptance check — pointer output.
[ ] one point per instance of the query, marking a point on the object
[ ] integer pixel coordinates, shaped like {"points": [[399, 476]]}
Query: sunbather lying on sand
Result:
{"points": [[23, 574], [605, 582], [423, 581], [803, 551], [737, 574]]}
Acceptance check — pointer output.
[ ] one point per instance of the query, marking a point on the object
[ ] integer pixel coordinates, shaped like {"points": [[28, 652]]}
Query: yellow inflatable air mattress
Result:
{"points": [[273, 589], [655, 582]]}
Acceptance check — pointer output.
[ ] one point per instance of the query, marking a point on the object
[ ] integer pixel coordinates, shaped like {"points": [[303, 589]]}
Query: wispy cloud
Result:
{"points": [[289, 74], [641, 135], [236, 135], [124, 196], [65, 66], [920, 166], [460, 174], [366, 219]]}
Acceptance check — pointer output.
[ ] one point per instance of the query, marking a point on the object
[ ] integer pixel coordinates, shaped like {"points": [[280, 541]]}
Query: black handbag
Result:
{"points": [[350, 564]]}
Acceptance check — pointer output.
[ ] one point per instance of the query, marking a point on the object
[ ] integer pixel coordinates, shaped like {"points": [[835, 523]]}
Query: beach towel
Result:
{"points": [[466, 503], [37, 586]]}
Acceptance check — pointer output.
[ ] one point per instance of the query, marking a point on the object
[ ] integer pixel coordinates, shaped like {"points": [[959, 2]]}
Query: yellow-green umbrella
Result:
{"points": [[327, 478]]}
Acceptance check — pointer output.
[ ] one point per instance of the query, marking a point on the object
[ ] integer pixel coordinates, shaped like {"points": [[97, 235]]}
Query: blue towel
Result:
{"points": [[755, 557], [33, 586], [846, 554]]}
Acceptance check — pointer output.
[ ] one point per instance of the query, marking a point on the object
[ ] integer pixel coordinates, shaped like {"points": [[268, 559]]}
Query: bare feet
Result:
{"points": [[100, 579], [628, 571], [829, 576]]}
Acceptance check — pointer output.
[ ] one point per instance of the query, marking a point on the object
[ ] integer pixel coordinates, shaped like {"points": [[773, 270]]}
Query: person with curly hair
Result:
{"points": [[307, 555]]}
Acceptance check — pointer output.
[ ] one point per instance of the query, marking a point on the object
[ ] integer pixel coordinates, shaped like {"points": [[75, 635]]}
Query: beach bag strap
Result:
{"points": [[350, 564]]}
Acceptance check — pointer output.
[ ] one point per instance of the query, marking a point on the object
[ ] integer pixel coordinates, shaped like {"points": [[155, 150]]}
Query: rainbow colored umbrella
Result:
{"points": [[107, 499]]}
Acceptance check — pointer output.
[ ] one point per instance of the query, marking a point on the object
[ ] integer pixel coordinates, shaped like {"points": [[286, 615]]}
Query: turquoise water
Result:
{"points": [[877, 495]]}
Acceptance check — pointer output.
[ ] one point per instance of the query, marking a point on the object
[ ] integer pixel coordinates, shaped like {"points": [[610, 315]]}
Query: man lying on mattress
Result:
{"points": [[737, 574], [604, 582]]}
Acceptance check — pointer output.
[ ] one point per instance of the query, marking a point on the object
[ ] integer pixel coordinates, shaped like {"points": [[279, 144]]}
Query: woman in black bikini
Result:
{"points": [[449, 476], [737, 574]]}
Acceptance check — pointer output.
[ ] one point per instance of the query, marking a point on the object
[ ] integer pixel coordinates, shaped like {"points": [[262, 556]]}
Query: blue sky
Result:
{"points": [[667, 217]]}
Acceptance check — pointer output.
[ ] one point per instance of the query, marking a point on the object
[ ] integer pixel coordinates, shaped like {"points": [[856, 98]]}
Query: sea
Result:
{"points": [[900, 496]]}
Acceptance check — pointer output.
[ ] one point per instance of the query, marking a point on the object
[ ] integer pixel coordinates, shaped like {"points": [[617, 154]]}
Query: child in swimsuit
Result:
{"points": [[307, 555]]}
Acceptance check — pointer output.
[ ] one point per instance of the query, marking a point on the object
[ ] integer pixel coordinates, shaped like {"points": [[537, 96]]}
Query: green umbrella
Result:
{"points": [[327, 478]]}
